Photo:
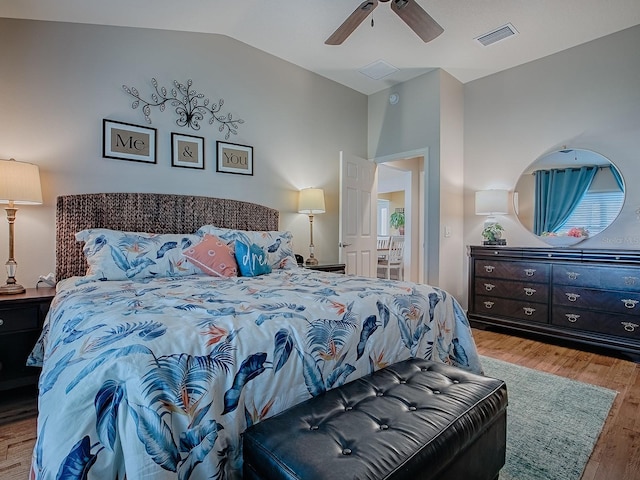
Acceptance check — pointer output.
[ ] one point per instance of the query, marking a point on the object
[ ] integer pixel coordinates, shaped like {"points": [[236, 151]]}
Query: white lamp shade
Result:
{"points": [[20, 183], [311, 201], [492, 202]]}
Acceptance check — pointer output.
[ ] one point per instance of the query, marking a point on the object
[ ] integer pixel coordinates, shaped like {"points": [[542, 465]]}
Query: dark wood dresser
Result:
{"points": [[588, 296]]}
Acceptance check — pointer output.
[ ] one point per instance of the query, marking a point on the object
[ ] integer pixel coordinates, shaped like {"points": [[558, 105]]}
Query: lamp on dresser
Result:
{"points": [[491, 203], [311, 202], [19, 185]]}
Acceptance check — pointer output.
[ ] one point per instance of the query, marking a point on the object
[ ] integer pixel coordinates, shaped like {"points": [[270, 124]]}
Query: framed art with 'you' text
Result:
{"points": [[233, 158]]}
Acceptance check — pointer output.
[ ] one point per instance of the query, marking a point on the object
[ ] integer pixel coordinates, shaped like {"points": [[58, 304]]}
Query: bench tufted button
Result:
{"points": [[412, 408], [436, 392], [348, 408], [456, 381], [379, 394], [313, 427], [403, 381], [384, 427], [346, 451]]}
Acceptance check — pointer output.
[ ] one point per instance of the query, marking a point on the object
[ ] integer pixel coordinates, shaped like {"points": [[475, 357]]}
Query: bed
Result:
{"points": [[156, 377]]}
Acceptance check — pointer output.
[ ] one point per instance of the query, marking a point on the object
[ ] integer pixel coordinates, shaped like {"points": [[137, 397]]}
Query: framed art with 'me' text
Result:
{"points": [[125, 141]]}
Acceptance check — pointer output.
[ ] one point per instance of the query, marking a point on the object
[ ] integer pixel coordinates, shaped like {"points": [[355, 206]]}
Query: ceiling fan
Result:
{"points": [[408, 10]]}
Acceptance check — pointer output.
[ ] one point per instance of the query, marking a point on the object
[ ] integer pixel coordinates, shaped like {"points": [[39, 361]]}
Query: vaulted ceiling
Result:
{"points": [[295, 30]]}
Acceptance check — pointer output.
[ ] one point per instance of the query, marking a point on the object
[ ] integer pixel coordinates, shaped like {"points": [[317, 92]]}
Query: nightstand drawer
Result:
{"points": [[19, 318]]}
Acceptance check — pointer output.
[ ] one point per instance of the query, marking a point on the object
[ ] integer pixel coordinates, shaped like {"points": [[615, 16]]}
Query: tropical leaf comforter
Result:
{"points": [[157, 378]]}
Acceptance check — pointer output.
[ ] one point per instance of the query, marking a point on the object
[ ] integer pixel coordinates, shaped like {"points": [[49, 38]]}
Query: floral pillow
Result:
{"points": [[277, 245], [252, 260], [213, 256], [116, 255]]}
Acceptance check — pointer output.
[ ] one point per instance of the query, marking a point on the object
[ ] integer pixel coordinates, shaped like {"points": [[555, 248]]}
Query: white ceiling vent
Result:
{"points": [[378, 70], [496, 35]]}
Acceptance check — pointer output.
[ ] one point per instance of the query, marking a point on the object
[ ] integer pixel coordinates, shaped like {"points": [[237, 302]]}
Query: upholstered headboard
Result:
{"points": [[146, 212]]}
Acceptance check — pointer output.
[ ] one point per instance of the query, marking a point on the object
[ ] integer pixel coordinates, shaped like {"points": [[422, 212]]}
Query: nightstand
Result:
{"points": [[21, 318], [330, 267]]}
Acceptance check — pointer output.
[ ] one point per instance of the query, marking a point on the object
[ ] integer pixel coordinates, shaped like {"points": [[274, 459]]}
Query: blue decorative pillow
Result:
{"points": [[252, 260]]}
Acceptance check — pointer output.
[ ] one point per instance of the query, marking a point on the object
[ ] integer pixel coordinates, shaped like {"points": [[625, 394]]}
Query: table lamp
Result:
{"points": [[19, 185], [311, 202], [490, 203]]}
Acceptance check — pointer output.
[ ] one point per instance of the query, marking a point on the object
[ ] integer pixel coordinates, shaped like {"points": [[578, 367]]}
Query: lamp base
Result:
{"points": [[311, 261], [11, 289]]}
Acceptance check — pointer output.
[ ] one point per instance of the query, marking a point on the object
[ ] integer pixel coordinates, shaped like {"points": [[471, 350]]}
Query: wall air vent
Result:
{"points": [[496, 35]]}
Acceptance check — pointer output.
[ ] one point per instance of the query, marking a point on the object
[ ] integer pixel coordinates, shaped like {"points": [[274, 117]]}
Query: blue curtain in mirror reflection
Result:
{"points": [[618, 178], [557, 193]]}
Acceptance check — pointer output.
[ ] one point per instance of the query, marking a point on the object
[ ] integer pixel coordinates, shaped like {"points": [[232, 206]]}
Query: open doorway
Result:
{"points": [[394, 188], [358, 220], [399, 193]]}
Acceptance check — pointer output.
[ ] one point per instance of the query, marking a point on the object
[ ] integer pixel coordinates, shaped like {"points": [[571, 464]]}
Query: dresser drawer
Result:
{"points": [[18, 318], [624, 326], [608, 301], [531, 292], [524, 271], [522, 310], [611, 278]]}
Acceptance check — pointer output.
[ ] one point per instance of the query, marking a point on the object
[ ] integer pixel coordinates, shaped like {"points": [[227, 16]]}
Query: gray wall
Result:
{"points": [[585, 97], [429, 116], [59, 80]]}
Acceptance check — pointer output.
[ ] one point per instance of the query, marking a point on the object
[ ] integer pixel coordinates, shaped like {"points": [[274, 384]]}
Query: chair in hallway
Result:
{"points": [[382, 247], [394, 259]]}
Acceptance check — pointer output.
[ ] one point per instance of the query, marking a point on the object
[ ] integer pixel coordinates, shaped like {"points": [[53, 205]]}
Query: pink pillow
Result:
{"points": [[213, 257]]}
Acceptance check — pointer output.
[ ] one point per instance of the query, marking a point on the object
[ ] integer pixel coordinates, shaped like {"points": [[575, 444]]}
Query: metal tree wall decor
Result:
{"points": [[191, 106]]}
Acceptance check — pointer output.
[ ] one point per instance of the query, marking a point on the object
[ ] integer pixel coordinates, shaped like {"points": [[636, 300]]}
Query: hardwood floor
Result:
{"points": [[616, 455]]}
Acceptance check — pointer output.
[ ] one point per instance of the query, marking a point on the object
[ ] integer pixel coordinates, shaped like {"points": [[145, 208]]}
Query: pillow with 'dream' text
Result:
{"points": [[252, 260]]}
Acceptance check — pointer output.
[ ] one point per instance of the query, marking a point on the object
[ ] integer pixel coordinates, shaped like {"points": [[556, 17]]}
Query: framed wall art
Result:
{"points": [[233, 158], [187, 151], [125, 141]]}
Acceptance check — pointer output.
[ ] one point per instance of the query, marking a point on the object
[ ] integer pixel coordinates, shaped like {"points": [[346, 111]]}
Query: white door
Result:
{"points": [[358, 210]]}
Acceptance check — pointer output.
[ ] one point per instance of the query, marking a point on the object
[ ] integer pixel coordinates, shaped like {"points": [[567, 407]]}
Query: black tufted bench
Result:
{"points": [[416, 419]]}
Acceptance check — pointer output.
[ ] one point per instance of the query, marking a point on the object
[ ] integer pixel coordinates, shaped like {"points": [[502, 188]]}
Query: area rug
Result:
{"points": [[553, 422]]}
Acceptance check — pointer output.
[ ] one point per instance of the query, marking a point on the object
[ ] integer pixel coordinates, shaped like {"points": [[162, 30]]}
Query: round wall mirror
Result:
{"points": [[567, 196]]}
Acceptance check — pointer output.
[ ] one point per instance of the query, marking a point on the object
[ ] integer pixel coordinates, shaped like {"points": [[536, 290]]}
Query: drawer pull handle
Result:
{"points": [[630, 327], [629, 303], [489, 268], [572, 297], [528, 310], [572, 317], [489, 286], [529, 291], [529, 272], [488, 304], [573, 275], [630, 280]]}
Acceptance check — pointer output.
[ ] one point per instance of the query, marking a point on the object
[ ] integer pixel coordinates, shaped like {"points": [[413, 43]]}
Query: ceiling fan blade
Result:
{"points": [[352, 22], [417, 19]]}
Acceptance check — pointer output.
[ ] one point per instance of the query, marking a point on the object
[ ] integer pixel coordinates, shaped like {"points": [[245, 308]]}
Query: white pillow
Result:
{"points": [[116, 255]]}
